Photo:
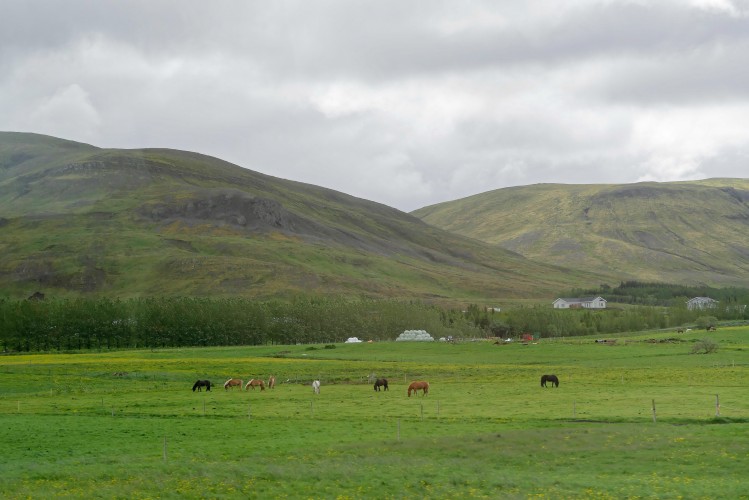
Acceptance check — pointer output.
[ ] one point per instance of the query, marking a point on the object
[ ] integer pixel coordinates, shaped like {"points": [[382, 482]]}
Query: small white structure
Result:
{"points": [[352, 340], [580, 303], [415, 336], [701, 303]]}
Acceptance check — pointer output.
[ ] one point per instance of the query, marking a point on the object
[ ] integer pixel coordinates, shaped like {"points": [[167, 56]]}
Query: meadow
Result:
{"points": [[641, 417]]}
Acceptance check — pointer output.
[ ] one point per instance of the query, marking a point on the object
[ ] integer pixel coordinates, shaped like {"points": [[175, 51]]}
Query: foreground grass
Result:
{"points": [[125, 424]]}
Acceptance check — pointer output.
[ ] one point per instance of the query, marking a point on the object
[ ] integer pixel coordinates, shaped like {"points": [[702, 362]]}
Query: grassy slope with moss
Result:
{"points": [[691, 232], [76, 219]]}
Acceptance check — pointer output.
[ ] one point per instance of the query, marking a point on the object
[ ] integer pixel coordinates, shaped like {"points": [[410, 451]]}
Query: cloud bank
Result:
{"points": [[404, 103]]}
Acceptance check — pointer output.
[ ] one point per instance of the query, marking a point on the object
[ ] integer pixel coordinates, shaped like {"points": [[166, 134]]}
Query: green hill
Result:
{"points": [[694, 232], [80, 220]]}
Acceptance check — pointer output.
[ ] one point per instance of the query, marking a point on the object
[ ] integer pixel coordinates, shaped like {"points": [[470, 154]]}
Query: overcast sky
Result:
{"points": [[407, 103]]}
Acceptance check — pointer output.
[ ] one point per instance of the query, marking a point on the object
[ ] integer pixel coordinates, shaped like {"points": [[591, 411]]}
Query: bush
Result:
{"points": [[704, 346]]}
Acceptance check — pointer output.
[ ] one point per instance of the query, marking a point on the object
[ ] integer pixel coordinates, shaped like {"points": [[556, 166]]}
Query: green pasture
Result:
{"points": [[635, 418]]}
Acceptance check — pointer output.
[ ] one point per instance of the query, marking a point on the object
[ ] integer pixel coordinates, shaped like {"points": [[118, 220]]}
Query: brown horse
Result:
{"points": [[255, 382], [381, 382], [233, 382], [271, 382], [415, 386]]}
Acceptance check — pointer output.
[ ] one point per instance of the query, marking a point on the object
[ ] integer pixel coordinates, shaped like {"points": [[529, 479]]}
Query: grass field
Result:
{"points": [[125, 424]]}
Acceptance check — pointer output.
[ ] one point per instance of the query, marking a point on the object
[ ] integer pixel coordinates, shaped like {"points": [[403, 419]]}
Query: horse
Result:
{"points": [[415, 386], [271, 382], [233, 382], [549, 378], [381, 382], [316, 387], [254, 383], [202, 383]]}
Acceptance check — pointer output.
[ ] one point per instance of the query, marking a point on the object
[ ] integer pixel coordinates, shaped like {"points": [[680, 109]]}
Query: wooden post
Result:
{"points": [[654, 411], [717, 406]]}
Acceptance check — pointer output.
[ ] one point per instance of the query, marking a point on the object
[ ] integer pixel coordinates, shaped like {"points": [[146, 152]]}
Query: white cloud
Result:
{"points": [[406, 103]]}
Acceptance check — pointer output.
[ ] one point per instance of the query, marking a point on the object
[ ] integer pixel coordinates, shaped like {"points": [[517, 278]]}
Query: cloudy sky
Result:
{"points": [[408, 103]]}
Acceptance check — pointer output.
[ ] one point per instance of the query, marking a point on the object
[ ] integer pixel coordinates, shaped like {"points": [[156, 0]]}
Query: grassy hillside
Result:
{"points": [[76, 219], [692, 232]]}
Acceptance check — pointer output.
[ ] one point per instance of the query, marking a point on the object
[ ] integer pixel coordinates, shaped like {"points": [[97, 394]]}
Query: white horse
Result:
{"points": [[316, 387]]}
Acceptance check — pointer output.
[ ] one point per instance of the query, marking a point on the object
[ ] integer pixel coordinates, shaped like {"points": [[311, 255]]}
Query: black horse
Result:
{"points": [[549, 378], [202, 383], [381, 382]]}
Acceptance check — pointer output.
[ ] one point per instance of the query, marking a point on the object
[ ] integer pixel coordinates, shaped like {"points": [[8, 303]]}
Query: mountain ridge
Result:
{"points": [[684, 232], [76, 219]]}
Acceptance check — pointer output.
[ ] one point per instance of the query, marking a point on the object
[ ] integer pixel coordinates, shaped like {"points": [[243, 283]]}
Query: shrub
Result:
{"points": [[704, 346]]}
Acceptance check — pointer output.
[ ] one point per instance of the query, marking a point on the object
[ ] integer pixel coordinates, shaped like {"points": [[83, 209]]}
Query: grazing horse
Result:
{"points": [[549, 378], [271, 382], [202, 383], [233, 382], [254, 382], [415, 386], [381, 382], [316, 387]]}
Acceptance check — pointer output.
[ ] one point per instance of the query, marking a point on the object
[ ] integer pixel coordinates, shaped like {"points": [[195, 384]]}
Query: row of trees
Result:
{"points": [[64, 325], [664, 294], [169, 322]]}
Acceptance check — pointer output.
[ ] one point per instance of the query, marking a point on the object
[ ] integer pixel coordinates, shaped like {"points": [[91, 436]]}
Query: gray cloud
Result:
{"points": [[405, 103]]}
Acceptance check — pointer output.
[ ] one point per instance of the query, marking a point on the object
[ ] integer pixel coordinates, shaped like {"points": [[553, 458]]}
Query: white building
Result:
{"points": [[580, 303], [701, 303]]}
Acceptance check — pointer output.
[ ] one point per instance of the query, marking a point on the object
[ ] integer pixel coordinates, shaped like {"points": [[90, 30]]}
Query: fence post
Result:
{"points": [[654, 410], [717, 406]]}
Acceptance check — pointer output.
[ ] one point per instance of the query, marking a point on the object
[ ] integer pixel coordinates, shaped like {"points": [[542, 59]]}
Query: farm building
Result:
{"points": [[701, 303], [580, 303]]}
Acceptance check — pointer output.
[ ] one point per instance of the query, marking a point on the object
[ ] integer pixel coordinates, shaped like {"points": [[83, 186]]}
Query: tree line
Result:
{"points": [[80, 324], [664, 294]]}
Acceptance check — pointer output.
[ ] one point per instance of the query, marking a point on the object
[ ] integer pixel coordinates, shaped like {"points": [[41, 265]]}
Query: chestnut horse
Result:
{"points": [[316, 387], [271, 382], [381, 382], [549, 378], [233, 382], [254, 382], [202, 383], [415, 386]]}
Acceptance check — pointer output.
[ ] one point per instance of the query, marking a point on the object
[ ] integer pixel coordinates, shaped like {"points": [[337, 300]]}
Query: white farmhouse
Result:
{"points": [[701, 303], [580, 303]]}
